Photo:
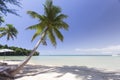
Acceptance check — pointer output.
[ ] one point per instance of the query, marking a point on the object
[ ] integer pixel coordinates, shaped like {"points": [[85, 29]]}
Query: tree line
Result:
{"points": [[17, 51]]}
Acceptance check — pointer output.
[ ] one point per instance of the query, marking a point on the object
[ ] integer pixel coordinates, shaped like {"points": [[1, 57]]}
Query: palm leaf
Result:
{"points": [[14, 34], [60, 17], [61, 25], [39, 29], [9, 25], [2, 34], [58, 34], [64, 25], [33, 14], [34, 36], [52, 38], [2, 29], [33, 27]]}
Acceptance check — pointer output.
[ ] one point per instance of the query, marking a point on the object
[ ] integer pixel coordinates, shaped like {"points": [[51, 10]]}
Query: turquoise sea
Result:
{"points": [[108, 62]]}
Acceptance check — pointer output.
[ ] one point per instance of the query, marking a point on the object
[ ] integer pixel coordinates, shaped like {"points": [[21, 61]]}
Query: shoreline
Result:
{"points": [[64, 72]]}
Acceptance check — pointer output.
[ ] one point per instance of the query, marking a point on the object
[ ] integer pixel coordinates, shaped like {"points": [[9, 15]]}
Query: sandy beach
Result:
{"points": [[42, 72]]}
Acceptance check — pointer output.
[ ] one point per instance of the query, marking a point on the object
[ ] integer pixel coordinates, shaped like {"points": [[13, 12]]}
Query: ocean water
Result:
{"points": [[107, 62]]}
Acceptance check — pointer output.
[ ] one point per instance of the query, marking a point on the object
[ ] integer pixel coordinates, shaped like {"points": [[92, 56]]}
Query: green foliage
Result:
{"points": [[50, 23], [17, 51], [10, 31], [4, 8]]}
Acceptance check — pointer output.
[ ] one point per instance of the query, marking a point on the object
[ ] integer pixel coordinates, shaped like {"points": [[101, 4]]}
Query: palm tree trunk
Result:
{"points": [[21, 65]]}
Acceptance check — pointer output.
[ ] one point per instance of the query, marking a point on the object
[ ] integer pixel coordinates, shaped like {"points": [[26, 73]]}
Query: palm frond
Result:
{"points": [[14, 34], [61, 25], [33, 27], [39, 29], [58, 34], [56, 10], [60, 17], [52, 38], [64, 25], [2, 29], [34, 36], [39, 26], [2, 34], [9, 25], [33, 14]]}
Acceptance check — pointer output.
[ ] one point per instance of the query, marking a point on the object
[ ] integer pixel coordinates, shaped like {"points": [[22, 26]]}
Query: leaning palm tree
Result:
{"points": [[10, 31], [49, 26]]}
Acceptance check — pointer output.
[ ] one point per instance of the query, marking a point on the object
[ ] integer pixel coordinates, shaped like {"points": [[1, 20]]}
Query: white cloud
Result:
{"points": [[105, 50]]}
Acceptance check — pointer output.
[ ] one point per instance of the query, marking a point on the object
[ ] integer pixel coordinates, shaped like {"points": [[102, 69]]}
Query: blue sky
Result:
{"points": [[93, 27]]}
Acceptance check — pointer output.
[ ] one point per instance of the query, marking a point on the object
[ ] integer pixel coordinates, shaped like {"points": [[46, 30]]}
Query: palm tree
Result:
{"points": [[48, 27], [5, 8], [10, 31]]}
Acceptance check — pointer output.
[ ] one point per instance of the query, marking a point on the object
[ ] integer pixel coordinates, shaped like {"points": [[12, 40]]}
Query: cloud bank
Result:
{"points": [[105, 50]]}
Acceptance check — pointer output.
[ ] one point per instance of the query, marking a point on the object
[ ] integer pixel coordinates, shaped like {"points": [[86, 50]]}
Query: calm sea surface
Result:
{"points": [[108, 62]]}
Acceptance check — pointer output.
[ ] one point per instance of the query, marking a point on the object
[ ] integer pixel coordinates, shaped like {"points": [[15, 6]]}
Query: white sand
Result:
{"points": [[50, 76], [40, 72], [72, 73]]}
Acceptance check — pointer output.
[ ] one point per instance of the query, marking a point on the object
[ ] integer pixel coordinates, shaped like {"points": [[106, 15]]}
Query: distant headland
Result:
{"points": [[17, 51]]}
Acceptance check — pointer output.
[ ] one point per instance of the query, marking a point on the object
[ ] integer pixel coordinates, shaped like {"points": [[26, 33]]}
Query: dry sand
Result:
{"points": [[40, 72]]}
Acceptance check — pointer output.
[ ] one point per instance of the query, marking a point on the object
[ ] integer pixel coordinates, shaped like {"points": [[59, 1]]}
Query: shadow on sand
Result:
{"points": [[84, 72]]}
